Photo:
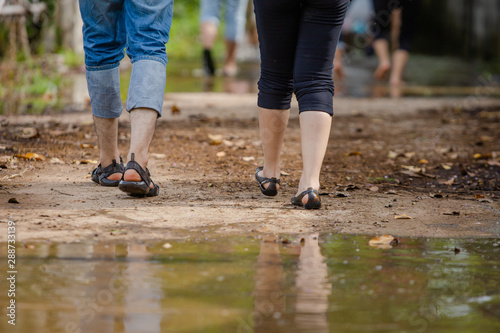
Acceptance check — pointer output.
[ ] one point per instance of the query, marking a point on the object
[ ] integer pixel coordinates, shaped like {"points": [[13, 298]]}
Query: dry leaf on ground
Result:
{"points": [[402, 217], [214, 139], [31, 156], [383, 242], [56, 160]]}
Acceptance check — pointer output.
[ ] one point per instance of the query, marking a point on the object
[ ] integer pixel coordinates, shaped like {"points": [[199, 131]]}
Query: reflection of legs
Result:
{"points": [[141, 293], [312, 287], [269, 299]]}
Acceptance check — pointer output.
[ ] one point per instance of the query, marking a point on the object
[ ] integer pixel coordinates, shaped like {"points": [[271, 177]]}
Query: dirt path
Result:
{"points": [[434, 160]]}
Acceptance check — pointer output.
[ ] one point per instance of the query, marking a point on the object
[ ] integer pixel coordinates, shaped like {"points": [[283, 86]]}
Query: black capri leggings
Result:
{"points": [[297, 40], [382, 20]]}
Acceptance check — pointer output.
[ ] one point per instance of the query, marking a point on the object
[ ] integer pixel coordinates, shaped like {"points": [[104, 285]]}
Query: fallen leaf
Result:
{"points": [[392, 155], [175, 109], [446, 166], [383, 242], [402, 217], [374, 188], [423, 161], [13, 200], [448, 182], [410, 173], [85, 162], [167, 246], [29, 133], [248, 158], [409, 155], [283, 173], [412, 168], [31, 156], [391, 192], [5, 159], [220, 154], [353, 153], [214, 139], [159, 156], [56, 160], [86, 145], [227, 143], [478, 196]]}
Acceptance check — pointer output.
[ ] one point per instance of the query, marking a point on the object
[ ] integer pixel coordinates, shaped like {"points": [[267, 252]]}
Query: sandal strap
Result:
{"points": [[265, 180], [111, 169], [145, 175], [310, 192]]}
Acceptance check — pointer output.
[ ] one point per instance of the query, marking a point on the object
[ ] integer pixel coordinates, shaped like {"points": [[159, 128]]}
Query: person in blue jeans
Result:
{"points": [[297, 40], [235, 28], [142, 29]]}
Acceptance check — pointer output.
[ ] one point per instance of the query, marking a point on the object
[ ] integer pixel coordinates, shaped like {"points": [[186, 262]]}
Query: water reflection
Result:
{"points": [[260, 283], [312, 287]]}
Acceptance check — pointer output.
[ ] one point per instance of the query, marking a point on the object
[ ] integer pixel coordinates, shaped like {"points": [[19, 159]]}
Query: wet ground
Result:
{"points": [[433, 160], [259, 283], [423, 167]]}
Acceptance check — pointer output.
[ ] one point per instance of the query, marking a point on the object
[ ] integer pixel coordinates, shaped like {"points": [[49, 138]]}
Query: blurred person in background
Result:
{"points": [[382, 35], [235, 18]]}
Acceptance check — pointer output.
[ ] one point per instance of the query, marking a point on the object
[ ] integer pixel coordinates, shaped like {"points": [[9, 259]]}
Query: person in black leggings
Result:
{"points": [[382, 29], [297, 40]]}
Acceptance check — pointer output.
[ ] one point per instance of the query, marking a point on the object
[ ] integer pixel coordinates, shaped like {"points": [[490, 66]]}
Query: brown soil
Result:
{"points": [[434, 160]]}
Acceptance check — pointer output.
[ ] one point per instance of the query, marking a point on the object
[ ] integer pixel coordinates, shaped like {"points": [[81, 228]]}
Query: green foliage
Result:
{"points": [[378, 180], [72, 59], [184, 40], [30, 86]]}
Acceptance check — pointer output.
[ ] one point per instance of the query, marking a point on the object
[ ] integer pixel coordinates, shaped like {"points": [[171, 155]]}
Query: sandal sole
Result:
{"points": [[138, 189]]}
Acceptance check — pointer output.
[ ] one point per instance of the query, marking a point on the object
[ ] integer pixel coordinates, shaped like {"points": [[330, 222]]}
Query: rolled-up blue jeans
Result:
{"points": [[141, 28]]}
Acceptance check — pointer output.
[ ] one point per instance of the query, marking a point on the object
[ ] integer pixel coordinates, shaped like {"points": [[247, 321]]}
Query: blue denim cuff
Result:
{"points": [[147, 85], [104, 91], [101, 68]]}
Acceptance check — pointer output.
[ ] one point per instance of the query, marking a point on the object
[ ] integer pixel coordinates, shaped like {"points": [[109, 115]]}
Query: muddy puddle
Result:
{"points": [[258, 283]]}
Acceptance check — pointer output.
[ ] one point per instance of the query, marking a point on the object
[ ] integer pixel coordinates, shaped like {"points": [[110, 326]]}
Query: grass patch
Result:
{"points": [[378, 180]]}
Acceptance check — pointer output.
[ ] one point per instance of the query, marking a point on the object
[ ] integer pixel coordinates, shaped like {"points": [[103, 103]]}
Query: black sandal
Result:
{"points": [[271, 190], [142, 188], [313, 199], [100, 175]]}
